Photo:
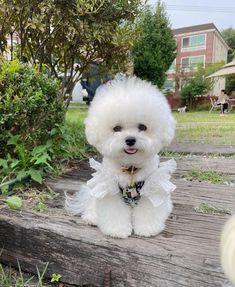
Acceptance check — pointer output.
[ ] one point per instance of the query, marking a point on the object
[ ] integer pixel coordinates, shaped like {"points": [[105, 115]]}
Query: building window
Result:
{"points": [[169, 85], [191, 63], [195, 42]]}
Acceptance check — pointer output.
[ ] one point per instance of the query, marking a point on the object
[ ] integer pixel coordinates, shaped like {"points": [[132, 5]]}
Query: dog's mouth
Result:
{"points": [[130, 150]]}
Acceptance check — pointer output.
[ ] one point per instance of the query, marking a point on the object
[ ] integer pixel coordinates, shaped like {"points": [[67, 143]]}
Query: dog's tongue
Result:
{"points": [[131, 150]]}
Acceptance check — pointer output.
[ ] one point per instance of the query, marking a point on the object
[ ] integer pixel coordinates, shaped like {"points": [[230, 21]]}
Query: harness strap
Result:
{"points": [[131, 193]]}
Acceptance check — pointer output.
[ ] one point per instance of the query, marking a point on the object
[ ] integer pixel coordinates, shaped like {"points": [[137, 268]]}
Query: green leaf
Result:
{"points": [[40, 207], [55, 277], [13, 140], [35, 175], [14, 202], [43, 159], [54, 131], [4, 188], [39, 149], [21, 174], [49, 143], [3, 163], [14, 163]]}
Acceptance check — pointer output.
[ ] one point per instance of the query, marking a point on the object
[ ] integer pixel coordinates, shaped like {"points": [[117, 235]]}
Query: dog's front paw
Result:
{"points": [[149, 220], [114, 216], [89, 219], [117, 231], [148, 230]]}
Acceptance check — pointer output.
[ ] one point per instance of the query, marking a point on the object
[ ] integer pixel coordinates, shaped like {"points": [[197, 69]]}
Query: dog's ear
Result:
{"points": [[169, 131], [91, 131]]}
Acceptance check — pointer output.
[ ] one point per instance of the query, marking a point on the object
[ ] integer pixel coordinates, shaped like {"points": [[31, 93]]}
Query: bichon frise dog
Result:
{"points": [[228, 249], [129, 122]]}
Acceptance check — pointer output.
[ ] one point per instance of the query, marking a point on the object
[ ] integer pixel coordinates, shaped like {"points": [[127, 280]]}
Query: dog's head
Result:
{"points": [[129, 121]]}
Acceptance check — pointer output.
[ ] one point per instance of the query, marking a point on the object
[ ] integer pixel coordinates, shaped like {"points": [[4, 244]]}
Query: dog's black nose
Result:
{"points": [[130, 141]]}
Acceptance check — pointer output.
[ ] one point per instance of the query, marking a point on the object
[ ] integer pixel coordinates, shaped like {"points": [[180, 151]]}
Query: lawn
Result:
{"points": [[192, 127], [205, 127], [204, 117], [76, 113]]}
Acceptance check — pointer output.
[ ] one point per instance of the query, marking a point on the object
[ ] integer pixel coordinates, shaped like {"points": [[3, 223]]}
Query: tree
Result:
{"points": [[229, 36], [155, 50], [192, 89], [67, 36], [197, 84]]}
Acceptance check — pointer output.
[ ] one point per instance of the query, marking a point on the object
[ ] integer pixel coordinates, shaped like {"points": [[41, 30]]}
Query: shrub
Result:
{"points": [[33, 163], [30, 105], [193, 88]]}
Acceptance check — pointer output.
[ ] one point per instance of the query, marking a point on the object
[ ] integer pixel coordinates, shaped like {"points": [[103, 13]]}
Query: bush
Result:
{"points": [[193, 88], [30, 105]]}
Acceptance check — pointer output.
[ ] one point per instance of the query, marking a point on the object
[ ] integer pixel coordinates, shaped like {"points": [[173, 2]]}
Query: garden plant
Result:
{"points": [[31, 113]]}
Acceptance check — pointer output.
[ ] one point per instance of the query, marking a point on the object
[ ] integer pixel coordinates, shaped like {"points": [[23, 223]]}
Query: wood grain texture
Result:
{"points": [[201, 149], [221, 165], [185, 254]]}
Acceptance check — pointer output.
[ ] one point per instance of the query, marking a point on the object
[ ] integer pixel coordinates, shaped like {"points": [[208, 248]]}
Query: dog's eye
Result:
{"points": [[142, 127], [117, 128]]}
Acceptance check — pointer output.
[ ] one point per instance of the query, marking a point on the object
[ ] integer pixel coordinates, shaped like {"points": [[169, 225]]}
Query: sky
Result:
{"points": [[183, 13]]}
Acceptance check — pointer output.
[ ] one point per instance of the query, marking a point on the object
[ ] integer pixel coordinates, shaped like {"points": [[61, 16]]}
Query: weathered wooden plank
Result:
{"points": [[222, 165], [188, 193], [225, 165], [185, 254], [196, 148], [184, 164], [193, 193]]}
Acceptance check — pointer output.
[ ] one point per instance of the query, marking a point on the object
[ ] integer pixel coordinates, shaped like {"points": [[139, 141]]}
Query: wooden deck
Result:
{"points": [[196, 148], [185, 254]]}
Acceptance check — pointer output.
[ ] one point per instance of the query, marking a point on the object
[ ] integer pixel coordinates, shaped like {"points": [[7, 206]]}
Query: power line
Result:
{"points": [[207, 9]]}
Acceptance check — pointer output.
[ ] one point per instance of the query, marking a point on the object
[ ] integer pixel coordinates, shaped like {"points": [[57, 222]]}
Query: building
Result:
{"points": [[201, 44]]}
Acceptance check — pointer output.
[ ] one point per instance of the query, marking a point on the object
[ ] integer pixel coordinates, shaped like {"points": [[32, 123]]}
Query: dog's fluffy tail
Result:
{"points": [[78, 202], [228, 249]]}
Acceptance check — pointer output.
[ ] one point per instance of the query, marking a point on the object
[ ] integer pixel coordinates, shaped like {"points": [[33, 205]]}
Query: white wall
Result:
{"points": [[77, 93]]}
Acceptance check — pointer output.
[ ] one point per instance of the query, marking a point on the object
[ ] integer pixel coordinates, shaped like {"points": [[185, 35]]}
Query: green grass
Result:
{"points": [[209, 134], [204, 127], [10, 277], [192, 127], [211, 176], [204, 116], [211, 209], [76, 113], [76, 143]]}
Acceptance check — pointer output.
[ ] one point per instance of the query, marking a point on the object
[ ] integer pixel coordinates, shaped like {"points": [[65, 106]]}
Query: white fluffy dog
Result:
{"points": [[129, 122], [228, 249]]}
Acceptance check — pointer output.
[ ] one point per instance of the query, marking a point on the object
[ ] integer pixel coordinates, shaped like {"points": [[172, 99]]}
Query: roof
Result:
{"points": [[195, 28], [228, 69], [198, 28]]}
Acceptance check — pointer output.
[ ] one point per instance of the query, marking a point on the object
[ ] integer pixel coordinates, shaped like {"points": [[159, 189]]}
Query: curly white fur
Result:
{"points": [[122, 110], [228, 249]]}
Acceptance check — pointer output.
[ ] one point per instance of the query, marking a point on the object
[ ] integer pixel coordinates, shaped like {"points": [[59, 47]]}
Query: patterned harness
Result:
{"points": [[131, 194]]}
